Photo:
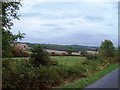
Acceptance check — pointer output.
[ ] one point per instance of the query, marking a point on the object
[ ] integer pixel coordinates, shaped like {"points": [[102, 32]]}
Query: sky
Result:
{"points": [[58, 22]]}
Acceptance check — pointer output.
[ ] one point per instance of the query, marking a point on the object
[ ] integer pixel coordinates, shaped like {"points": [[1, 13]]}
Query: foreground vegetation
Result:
{"points": [[81, 83], [25, 74], [66, 70]]}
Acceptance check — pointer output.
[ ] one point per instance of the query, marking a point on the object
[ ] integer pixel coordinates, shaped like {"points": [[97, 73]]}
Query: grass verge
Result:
{"points": [[81, 83]]}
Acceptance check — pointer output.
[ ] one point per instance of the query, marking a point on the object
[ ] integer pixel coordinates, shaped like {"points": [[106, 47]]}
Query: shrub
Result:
{"points": [[53, 54], [14, 74], [53, 62], [107, 49], [48, 75], [91, 56], [117, 56], [67, 72], [39, 56], [83, 53], [7, 54], [69, 51], [64, 54], [19, 53], [73, 72], [92, 66], [62, 71]]}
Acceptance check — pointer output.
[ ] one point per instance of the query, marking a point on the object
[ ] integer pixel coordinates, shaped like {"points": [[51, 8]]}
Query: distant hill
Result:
{"points": [[75, 48]]}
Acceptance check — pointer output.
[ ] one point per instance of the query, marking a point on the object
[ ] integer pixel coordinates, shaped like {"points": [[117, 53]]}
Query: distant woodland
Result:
{"points": [[75, 48]]}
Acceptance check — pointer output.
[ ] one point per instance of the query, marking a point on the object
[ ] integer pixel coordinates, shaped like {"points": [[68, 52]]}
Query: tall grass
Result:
{"points": [[81, 83]]}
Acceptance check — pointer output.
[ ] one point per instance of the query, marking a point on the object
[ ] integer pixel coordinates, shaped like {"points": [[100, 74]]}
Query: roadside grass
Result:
{"points": [[81, 83]]}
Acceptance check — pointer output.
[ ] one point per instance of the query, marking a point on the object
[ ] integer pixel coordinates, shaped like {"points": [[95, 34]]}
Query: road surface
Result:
{"points": [[109, 81]]}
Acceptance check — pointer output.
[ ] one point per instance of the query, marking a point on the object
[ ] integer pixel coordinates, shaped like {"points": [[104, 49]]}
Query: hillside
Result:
{"points": [[75, 48]]}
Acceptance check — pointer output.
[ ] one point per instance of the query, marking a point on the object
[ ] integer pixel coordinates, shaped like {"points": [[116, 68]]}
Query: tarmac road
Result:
{"points": [[109, 81]]}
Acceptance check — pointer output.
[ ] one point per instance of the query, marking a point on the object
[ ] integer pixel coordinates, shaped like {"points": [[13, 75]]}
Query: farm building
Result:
{"points": [[55, 52], [75, 53], [92, 52]]}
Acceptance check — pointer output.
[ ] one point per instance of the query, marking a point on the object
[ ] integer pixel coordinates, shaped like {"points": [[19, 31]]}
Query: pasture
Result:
{"points": [[69, 60]]}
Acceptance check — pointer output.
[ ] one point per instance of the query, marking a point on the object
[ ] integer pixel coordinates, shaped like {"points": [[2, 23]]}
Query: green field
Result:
{"points": [[69, 60]]}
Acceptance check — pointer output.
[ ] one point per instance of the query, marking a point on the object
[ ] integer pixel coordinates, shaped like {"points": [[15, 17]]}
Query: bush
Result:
{"points": [[67, 72], [92, 66], [83, 53], [7, 54], [62, 71], [53, 54], [19, 53], [15, 74], [92, 56], [53, 62], [107, 49], [117, 56], [64, 54], [39, 56], [48, 75], [73, 72]]}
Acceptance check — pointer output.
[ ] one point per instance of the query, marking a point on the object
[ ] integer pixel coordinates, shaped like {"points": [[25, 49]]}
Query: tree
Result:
{"points": [[69, 50], [9, 12], [107, 49], [118, 48], [118, 51], [83, 52], [39, 56], [19, 36]]}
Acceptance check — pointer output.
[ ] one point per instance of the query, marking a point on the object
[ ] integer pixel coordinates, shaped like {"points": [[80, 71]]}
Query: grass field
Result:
{"points": [[69, 60]]}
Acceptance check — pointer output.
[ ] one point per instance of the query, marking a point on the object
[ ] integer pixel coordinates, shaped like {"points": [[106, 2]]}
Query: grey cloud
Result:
{"points": [[49, 24], [47, 33], [52, 27], [94, 18]]}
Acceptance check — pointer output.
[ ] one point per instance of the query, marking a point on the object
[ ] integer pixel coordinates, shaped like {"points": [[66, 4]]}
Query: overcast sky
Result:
{"points": [[82, 23]]}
